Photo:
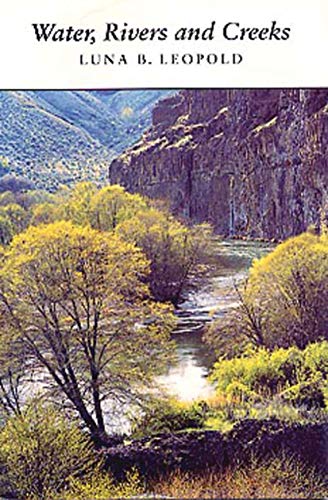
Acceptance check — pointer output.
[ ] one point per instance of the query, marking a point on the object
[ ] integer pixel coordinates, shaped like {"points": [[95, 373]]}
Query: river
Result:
{"points": [[210, 298], [229, 263]]}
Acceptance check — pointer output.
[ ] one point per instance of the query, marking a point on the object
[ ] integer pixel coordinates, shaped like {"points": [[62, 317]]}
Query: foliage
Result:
{"points": [[223, 416], [284, 301], [6, 229], [13, 220], [75, 299], [18, 217], [101, 486], [174, 251], [281, 477], [112, 205], [169, 416], [44, 213], [16, 211], [102, 209], [297, 376], [42, 452], [77, 207]]}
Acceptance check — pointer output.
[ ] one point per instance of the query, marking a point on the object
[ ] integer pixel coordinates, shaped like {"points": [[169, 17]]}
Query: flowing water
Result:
{"points": [[210, 298], [229, 263]]}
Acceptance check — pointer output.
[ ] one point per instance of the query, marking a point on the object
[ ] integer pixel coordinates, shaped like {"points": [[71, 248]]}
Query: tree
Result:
{"points": [[112, 205], [77, 205], [13, 377], [6, 229], [18, 217], [284, 301], [75, 299], [45, 213], [174, 251], [42, 452]]}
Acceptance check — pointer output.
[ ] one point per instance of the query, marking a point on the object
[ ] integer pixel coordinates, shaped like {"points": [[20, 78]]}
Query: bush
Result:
{"points": [[297, 376], [42, 452], [170, 416], [174, 251], [102, 487], [283, 303], [282, 477], [19, 218]]}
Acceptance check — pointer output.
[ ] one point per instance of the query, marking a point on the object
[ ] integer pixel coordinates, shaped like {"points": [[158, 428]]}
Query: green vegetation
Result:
{"points": [[45, 456], [296, 375], [42, 453], [88, 277], [75, 300], [288, 384], [101, 486], [282, 477], [112, 205], [77, 290], [169, 416], [283, 302], [174, 250], [6, 230]]}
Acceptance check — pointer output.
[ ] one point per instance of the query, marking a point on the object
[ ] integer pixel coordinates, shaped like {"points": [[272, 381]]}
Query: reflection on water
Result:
{"points": [[229, 262]]}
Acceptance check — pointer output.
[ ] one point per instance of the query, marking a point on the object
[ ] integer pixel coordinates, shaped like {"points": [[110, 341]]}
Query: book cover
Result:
{"points": [[163, 249]]}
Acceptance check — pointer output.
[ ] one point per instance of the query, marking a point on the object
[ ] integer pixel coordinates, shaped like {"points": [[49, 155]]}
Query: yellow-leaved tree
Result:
{"points": [[112, 205], [174, 250], [284, 301], [74, 300]]}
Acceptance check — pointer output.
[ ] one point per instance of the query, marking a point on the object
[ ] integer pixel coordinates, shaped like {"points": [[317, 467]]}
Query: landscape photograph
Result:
{"points": [[164, 293]]}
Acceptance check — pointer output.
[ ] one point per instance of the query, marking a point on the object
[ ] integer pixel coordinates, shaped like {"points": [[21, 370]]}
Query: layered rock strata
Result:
{"points": [[251, 162]]}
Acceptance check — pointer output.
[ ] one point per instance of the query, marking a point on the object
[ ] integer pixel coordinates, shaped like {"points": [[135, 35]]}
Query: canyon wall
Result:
{"points": [[251, 162]]}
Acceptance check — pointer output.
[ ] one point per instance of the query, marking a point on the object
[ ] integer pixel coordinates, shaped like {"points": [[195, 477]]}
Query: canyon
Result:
{"points": [[252, 163]]}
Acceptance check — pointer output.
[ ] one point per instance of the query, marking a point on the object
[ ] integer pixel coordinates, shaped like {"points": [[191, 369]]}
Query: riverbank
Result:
{"points": [[198, 451], [212, 297]]}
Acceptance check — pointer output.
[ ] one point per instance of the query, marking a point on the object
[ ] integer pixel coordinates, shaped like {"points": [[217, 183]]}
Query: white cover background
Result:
{"points": [[298, 62]]}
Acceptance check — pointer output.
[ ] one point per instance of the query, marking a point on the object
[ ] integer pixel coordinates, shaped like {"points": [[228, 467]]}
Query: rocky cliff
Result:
{"points": [[251, 162]]}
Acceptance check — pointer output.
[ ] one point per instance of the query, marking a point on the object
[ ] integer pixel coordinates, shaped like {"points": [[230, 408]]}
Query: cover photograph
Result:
{"points": [[163, 249]]}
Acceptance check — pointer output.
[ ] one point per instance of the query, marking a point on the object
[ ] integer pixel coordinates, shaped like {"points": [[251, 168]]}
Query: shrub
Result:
{"points": [[297, 376], [41, 452], [18, 217], [100, 486], [284, 302], [170, 416], [6, 230], [281, 477]]}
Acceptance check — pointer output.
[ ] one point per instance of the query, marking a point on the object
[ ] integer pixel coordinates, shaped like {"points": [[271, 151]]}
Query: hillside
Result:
{"points": [[250, 162], [54, 137]]}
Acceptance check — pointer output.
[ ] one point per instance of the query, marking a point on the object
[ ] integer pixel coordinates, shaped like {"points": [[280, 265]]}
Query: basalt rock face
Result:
{"points": [[202, 450], [251, 162]]}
